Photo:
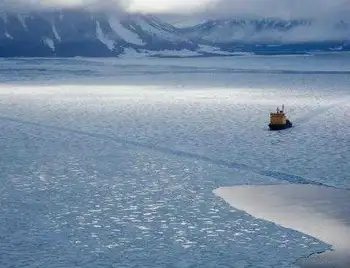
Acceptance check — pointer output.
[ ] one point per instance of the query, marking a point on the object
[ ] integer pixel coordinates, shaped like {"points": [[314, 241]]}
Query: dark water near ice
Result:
{"points": [[112, 163]]}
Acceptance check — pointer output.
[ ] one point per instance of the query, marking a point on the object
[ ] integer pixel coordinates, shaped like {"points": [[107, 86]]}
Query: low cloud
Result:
{"points": [[202, 8], [281, 8], [13, 5], [286, 9], [324, 13]]}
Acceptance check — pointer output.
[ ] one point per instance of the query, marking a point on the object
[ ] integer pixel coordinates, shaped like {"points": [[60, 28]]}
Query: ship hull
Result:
{"points": [[280, 127]]}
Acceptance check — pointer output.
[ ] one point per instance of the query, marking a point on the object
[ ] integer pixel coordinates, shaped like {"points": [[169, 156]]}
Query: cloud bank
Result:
{"points": [[280, 8], [13, 5], [202, 8], [148, 6]]}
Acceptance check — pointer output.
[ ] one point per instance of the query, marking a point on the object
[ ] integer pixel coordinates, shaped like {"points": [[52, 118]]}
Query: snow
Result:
{"points": [[211, 49], [103, 38], [22, 19], [54, 30], [217, 51], [94, 149], [132, 53], [8, 35], [176, 53], [184, 23], [322, 212], [246, 30], [50, 43], [124, 33], [157, 30]]}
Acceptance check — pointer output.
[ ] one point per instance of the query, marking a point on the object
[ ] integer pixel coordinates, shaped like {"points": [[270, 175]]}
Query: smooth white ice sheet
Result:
{"points": [[322, 212]]}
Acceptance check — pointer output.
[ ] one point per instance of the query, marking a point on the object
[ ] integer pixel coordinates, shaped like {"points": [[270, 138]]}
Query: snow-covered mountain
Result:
{"points": [[82, 33], [68, 33], [272, 35]]}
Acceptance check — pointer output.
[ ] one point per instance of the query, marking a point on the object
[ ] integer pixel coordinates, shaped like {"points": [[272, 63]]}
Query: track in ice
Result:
{"points": [[321, 110], [234, 165]]}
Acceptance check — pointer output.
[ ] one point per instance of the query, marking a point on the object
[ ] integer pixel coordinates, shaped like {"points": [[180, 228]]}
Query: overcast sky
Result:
{"points": [[205, 8]]}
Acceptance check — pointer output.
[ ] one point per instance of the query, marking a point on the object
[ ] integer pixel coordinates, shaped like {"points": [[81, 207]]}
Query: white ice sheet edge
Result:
{"points": [[321, 212]]}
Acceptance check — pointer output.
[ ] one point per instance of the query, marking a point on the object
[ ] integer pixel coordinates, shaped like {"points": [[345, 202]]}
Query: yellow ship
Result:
{"points": [[278, 120]]}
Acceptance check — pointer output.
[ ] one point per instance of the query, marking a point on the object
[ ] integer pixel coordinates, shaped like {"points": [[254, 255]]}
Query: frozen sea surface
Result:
{"points": [[322, 212], [112, 163]]}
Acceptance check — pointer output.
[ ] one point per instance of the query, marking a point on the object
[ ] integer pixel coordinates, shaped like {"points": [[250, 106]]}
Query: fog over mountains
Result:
{"points": [[70, 32]]}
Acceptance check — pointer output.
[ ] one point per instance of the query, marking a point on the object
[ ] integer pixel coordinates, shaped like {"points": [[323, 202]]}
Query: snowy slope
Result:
{"points": [[148, 32], [124, 32], [154, 27], [110, 43], [69, 33], [268, 30], [82, 33], [263, 35]]}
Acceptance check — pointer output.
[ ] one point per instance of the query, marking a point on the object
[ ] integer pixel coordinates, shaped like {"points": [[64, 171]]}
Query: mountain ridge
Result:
{"points": [[70, 33]]}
